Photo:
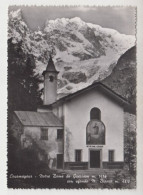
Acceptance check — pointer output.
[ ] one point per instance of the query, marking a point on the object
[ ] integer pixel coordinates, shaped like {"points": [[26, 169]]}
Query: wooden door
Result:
{"points": [[59, 161], [94, 158]]}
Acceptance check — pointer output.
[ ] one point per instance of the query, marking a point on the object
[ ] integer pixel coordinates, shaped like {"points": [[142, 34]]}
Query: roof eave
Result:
{"points": [[45, 71], [18, 118], [43, 126]]}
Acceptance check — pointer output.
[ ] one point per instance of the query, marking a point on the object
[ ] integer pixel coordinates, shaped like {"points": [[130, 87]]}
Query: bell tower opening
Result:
{"points": [[51, 78]]}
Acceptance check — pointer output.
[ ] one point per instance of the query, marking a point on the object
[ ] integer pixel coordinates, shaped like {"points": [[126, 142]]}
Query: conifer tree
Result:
{"points": [[23, 84]]}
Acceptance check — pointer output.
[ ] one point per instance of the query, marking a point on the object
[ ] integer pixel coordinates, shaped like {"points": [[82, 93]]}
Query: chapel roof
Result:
{"points": [[42, 119], [97, 86]]}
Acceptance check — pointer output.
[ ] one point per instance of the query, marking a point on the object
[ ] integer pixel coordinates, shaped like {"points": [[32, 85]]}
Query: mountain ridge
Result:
{"points": [[82, 52]]}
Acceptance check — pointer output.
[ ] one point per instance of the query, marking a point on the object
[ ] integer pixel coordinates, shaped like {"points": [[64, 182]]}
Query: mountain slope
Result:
{"points": [[82, 52], [123, 77]]}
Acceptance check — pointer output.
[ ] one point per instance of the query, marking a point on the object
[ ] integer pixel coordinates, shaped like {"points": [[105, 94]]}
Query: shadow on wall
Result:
{"points": [[32, 154], [68, 144], [46, 151]]}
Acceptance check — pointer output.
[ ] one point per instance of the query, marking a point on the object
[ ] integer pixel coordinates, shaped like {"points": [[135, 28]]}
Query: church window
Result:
{"points": [[44, 134], [59, 134], [51, 78], [78, 155], [111, 155], [95, 113]]}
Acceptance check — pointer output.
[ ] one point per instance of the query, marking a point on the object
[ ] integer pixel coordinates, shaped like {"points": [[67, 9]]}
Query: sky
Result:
{"points": [[121, 19]]}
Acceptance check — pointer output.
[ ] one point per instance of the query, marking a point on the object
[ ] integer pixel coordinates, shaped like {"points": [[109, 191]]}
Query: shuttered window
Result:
{"points": [[78, 155], [111, 155], [44, 134], [60, 134]]}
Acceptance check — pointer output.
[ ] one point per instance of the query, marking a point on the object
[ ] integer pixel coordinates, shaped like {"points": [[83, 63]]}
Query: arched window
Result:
{"points": [[95, 113]]}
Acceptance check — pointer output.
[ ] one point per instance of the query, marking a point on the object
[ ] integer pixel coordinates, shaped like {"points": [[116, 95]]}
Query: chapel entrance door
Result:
{"points": [[59, 161], [94, 158]]}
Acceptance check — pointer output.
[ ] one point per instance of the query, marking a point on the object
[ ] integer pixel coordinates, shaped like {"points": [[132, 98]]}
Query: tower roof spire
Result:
{"points": [[51, 66]]}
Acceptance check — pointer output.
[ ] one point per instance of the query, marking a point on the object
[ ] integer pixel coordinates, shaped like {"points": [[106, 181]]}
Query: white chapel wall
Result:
{"points": [[77, 115]]}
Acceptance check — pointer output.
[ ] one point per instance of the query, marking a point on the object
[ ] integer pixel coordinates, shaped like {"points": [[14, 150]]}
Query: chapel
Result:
{"points": [[83, 130]]}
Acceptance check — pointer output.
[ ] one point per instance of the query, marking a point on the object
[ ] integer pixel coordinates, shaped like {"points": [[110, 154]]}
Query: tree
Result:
{"points": [[130, 142], [23, 84]]}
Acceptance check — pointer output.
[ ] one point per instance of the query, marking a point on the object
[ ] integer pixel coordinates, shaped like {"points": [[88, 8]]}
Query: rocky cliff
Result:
{"points": [[82, 52]]}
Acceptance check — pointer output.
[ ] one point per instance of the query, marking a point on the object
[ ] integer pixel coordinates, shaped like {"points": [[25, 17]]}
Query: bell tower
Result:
{"points": [[50, 83]]}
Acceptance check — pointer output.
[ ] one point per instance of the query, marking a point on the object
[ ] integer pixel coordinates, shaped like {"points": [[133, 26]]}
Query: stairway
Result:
{"points": [[78, 166]]}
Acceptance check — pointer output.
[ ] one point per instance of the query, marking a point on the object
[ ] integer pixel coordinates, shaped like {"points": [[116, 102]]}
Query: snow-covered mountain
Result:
{"points": [[82, 52]]}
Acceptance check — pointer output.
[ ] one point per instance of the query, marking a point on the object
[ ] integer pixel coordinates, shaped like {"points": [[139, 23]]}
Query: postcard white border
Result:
{"points": [[3, 89]]}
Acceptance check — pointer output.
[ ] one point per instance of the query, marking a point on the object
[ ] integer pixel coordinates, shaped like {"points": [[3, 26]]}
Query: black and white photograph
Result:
{"points": [[71, 97]]}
